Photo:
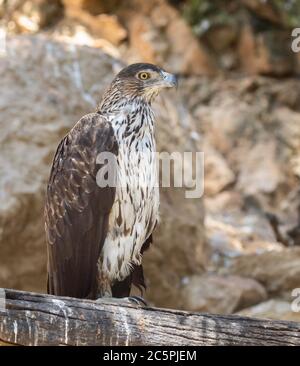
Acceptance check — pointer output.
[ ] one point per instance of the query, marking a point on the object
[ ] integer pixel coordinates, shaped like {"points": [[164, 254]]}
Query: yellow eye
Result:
{"points": [[143, 75]]}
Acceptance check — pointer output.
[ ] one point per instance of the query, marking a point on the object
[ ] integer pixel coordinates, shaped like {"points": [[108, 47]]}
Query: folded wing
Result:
{"points": [[77, 209]]}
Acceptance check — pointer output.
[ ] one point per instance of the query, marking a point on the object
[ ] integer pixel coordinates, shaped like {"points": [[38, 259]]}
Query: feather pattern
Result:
{"points": [[135, 210], [77, 210], [96, 236]]}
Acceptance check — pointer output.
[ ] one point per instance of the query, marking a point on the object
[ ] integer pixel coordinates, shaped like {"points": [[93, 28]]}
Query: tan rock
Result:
{"points": [[251, 133], [72, 32], [217, 174], [193, 59], [233, 233], [213, 293], [31, 16], [289, 132], [101, 26], [272, 309], [226, 201], [46, 88], [94, 7], [157, 33], [266, 53], [260, 170], [278, 271], [224, 121], [142, 38], [219, 37]]}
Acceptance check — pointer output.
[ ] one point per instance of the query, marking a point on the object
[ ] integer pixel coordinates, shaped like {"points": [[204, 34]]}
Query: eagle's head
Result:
{"points": [[143, 80]]}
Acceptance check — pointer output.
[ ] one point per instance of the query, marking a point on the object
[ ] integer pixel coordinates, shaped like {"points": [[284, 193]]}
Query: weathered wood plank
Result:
{"points": [[6, 344], [37, 319]]}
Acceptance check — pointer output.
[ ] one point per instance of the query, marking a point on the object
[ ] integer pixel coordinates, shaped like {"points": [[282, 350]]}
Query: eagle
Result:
{"points": [[96, 233]]}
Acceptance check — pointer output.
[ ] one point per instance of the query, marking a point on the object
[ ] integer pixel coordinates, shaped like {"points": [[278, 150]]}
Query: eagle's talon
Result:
{"points": [[138, 300]]}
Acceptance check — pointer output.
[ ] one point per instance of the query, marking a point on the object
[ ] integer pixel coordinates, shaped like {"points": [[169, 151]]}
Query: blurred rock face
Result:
{"points": [[158, 34], [212, 293], [198, 37], [250, 127], [266, 53], [31, 16], [278, 271], [46, 87], [272, 309], [151, 31], [252, 135]]}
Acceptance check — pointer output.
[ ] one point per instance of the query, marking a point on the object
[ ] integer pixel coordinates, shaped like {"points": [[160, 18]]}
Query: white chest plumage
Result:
{"points": [[135, 209]]}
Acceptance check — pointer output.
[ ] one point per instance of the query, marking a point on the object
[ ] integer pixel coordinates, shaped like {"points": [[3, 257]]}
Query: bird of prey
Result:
{"points": [[96, 234]]}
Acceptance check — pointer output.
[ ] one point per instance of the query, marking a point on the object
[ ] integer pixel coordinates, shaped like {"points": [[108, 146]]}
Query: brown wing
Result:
{"points": [[77, 209]]}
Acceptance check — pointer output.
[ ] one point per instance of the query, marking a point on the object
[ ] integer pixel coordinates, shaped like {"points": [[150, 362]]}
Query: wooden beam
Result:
{"points": [[6, 344], [38, 319]]}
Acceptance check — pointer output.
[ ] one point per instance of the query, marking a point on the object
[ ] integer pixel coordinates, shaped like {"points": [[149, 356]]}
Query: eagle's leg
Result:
{"points": [[121, 289], [118, 293]]}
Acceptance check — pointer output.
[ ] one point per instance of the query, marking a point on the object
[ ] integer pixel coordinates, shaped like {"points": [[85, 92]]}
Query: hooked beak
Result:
{"points": [[169, 80]]}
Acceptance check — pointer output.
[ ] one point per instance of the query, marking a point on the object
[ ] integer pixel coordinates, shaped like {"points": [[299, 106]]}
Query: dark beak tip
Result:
{"points": [[176, 81], [171, 80]]}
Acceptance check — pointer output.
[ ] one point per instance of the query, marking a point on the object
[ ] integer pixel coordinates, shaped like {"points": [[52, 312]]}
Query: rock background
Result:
{"points": [[234, 250]]}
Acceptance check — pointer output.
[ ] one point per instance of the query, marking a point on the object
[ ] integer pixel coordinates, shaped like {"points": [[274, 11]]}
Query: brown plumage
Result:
{"points": [[96, 235]]}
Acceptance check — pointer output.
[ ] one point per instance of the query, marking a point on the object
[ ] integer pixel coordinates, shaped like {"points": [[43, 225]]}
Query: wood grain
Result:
{"points": [[38, 319]]}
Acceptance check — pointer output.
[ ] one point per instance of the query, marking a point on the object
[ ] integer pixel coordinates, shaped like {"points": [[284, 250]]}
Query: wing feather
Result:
{"points": [[77, 209]]}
